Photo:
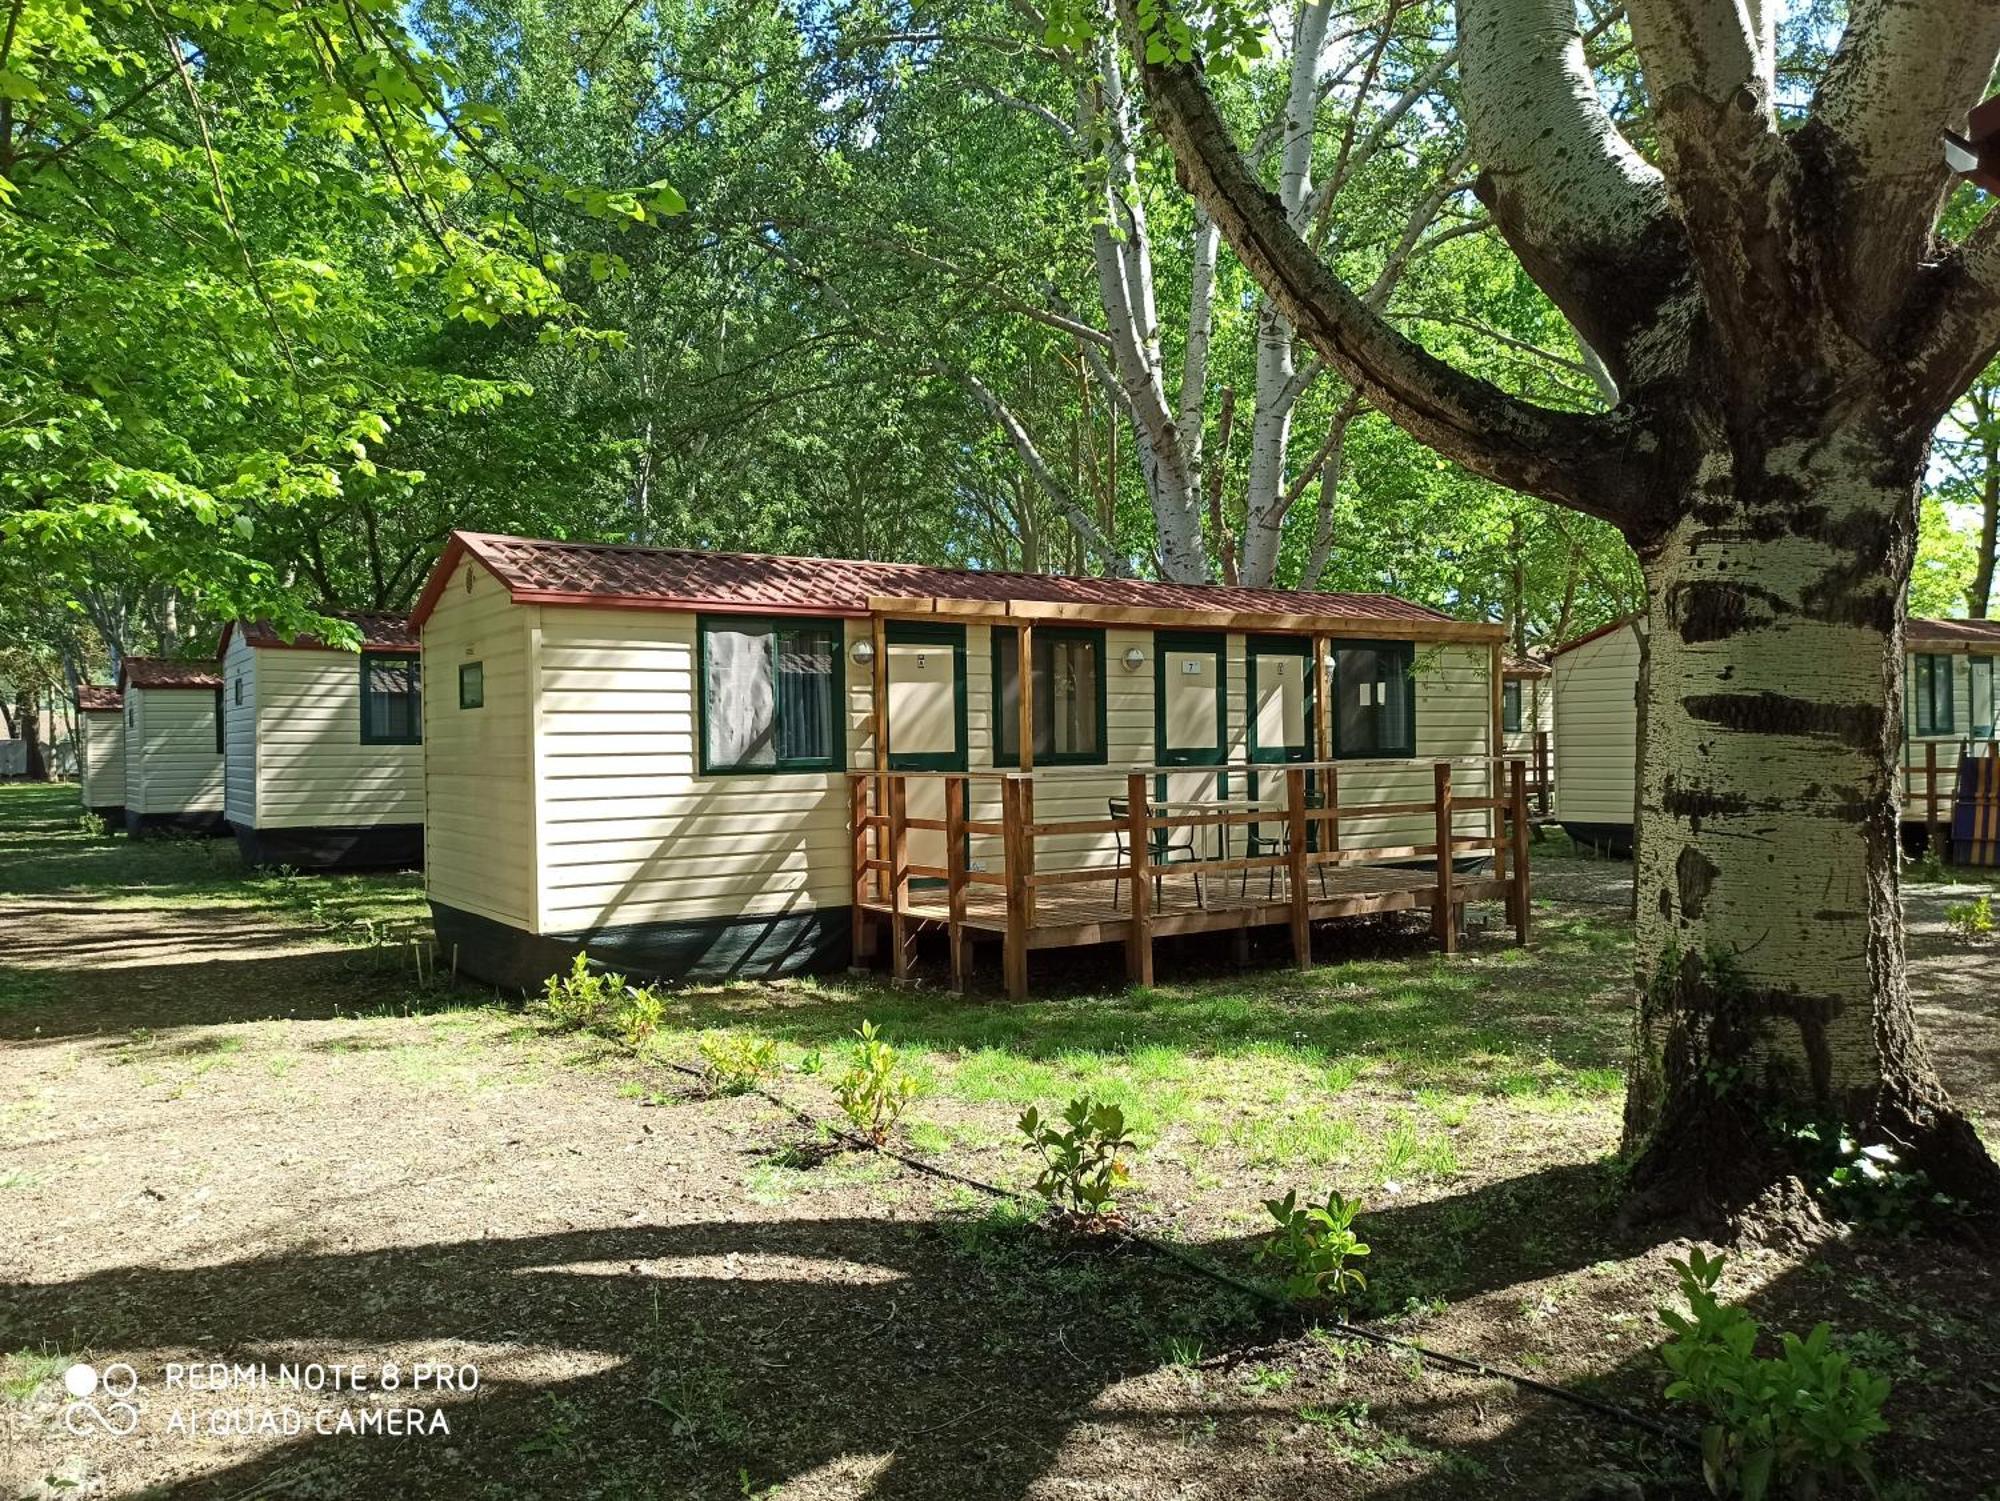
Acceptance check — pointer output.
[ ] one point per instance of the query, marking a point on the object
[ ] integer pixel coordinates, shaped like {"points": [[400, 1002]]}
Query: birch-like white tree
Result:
{"points": [[1785, 327]]}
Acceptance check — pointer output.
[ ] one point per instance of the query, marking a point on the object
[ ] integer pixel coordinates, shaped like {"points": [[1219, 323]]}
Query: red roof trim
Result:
{"points": [[1588, 636], [98, 698], [537, 571], [163, 674]]}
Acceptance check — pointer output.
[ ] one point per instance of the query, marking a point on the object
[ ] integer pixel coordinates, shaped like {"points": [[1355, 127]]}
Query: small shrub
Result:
{"points": [[1928, 869], [1314, 1245], [1796, 1420], [1083, 1167], [737, 1064], [581, 999], [91, 826], [1868, 1185], [873, 1093], [639, 1016], [1970, 920]]}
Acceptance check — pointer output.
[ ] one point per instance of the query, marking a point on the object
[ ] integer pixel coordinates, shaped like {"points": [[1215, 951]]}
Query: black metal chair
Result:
{"points": [[1280, 843], [1167, 850]]}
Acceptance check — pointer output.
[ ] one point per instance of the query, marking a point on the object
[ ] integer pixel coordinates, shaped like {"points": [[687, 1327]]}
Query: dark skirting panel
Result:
{"points": [[1605, 838], [709, 949], [389, 846], [113, 815], [146, 825]]}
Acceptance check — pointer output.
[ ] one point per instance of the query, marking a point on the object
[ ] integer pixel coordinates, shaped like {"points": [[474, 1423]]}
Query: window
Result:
{"points": [[1281, 698], [472, 685], [1510, 706], [391, 701], [1374, 698], [1930, 691], [1982, 697], [770, 695], [239, 691], [1068, 707]]}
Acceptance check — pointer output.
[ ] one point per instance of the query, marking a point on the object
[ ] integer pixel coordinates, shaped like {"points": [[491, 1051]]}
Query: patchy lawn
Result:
{"points": [[235, 1127]]}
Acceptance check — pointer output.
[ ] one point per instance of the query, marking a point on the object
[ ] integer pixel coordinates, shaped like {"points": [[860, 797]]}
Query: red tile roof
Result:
{"points": [[585, 573], [380, 631], [159, 672], [1522, 667], [1952, 633], [94, 696]]}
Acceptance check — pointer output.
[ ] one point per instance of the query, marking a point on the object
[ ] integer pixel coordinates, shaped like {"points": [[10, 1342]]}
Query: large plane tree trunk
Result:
{"points": [[1784, 329], [1769, 933]]}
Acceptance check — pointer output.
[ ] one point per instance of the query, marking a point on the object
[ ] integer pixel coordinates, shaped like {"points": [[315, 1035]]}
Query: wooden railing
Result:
{"points": [[881, 824], [1930, 786]]}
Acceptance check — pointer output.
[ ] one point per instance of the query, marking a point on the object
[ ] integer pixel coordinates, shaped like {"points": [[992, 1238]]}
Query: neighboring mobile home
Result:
{"points": [[1528, 719], [325, 746], [173, 745], [1948, 702], [643, 753], [100, 759]]}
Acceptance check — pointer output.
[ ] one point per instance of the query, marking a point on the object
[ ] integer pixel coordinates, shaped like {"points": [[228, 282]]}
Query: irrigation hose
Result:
{"points": [[1201, 1266]]}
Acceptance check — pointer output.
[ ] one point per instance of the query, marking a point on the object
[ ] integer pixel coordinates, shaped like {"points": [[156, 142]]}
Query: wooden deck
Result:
{"points": [[1131, 901]]}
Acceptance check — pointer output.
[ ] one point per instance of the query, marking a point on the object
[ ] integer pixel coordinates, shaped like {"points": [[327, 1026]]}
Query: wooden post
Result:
{"points": [[1519, 800], [1322, 701], [1024, 673], [1139, 837], [955, 883], [1295, 832], [861, 944], [1931, 797], [879, 676], [1542, 772], [1014, 838], [1443, 919], [899, 878], [1332, 825], [1496, 782]]}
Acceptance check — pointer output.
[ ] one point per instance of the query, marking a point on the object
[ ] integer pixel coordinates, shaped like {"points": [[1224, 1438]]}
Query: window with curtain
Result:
{"points": [[1068, 707], [1930, 692], [1374, 698], [1510, 706], [770, 695], [1982, 697], [391, 700]]}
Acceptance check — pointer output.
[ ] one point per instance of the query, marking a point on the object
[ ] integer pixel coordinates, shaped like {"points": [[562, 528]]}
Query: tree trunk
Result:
{"points": [[1981, 598], [1769, 931]]}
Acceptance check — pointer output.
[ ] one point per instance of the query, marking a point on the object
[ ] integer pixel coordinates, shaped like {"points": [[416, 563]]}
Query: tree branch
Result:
{"points": [[1571, 459]]}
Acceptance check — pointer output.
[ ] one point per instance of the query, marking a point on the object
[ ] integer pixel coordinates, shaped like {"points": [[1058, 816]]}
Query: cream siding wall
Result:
{"points": [[478, 810], [312, 769], [630, 831], [1948, 744], [1538, 712], [1597, 729], [101, 764], [239, 731], [171, 763]]}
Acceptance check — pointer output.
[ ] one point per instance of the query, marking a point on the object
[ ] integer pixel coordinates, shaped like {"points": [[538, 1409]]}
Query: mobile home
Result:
{"points": [[1528, 720], [653, 755], [173, 746], [1948, 711], [324, 746], [100, 755]]}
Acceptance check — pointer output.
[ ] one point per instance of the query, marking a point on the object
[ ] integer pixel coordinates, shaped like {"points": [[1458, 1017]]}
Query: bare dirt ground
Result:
{"points": [[225, 1140]]}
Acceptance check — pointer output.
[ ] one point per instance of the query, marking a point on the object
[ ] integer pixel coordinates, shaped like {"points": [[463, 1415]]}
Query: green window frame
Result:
{"points": [[790, 713], [472, 685], [1007, 713], [951, 637], [391, 714], [239, 690], [1214, 643], [1930, 692], [1404, 655], [1510, 706], [1275, 646]]}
